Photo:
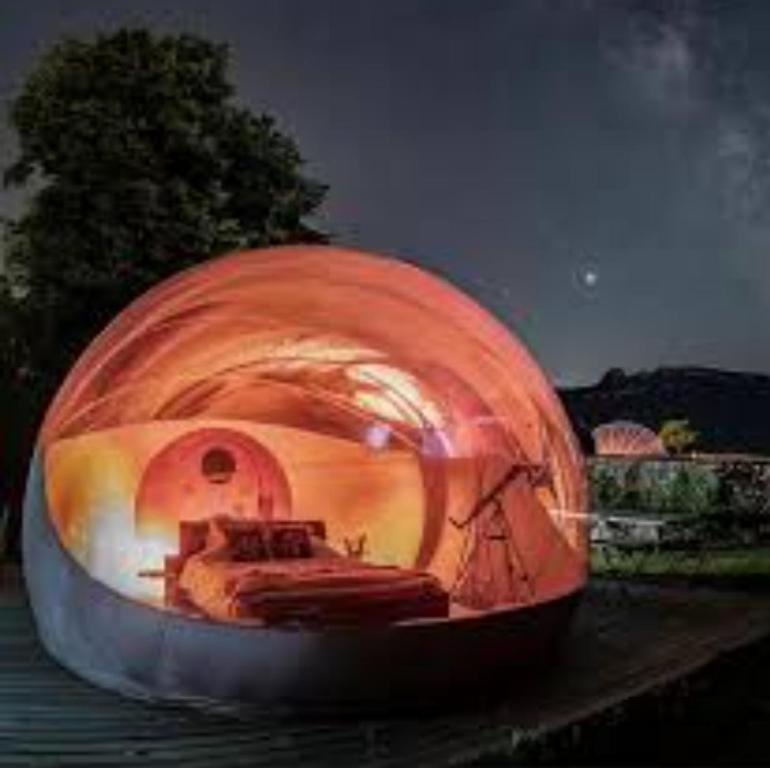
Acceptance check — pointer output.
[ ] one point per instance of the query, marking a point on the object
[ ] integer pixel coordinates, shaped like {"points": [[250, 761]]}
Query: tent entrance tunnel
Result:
{"points": [[260, 460]]}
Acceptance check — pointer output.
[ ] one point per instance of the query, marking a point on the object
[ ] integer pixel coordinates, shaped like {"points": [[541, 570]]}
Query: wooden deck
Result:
{"points": [[623, 644]]}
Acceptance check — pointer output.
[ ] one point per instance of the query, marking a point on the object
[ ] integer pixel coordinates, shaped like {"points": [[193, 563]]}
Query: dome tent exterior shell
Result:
{"points": [[627, 438], [263, 461]]}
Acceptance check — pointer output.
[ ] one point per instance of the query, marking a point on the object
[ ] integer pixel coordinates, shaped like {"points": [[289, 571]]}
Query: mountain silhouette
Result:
{"points": [[730, 410]]}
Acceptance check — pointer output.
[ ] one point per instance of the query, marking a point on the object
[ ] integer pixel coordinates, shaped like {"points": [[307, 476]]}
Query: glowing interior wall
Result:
{"points": [[311, 383]]}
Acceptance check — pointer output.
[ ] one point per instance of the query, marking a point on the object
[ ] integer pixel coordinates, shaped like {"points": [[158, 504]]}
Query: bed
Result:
{"points": [[283, 572]]}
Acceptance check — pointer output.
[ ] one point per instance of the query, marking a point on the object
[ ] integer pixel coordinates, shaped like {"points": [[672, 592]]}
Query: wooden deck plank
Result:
{"points": [[623, 644]]}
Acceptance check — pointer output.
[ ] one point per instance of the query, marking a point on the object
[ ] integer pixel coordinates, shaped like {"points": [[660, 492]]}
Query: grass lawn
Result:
{"points": [[730, 565]]}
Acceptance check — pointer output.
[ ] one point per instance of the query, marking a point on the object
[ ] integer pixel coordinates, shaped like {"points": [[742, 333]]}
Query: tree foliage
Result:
{"points": [[140, 162], [677, 435], [143, 164]]}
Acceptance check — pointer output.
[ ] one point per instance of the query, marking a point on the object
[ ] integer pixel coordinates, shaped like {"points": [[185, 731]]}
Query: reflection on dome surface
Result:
{"points": [[310, 435]]}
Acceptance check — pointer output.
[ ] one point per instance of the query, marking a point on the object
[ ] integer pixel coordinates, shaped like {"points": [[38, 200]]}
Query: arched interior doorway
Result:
{"points": [[206, 473]]}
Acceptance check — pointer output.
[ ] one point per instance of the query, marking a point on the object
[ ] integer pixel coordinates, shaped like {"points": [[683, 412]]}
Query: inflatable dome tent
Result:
{"points": [[626, 438], [303, 476]]}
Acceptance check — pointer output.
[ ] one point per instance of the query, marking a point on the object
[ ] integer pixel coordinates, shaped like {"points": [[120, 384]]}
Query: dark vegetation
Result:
{"points": [[703, 486], [710, 520], [139, 162]]}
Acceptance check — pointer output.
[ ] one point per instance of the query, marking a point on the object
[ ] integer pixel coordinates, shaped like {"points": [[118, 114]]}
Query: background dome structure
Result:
{"points": [[393, 435], [626, 438]]}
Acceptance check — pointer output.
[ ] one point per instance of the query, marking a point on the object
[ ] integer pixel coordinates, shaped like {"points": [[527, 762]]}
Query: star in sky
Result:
{"points": [[590, 278], [587, 279]]}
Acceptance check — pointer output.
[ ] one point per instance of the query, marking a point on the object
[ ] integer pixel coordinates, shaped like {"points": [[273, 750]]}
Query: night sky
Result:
{"points": [[596, 173]]}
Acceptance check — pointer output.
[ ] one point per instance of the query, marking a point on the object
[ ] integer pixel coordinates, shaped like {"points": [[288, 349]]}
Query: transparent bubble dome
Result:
{"points": [[626, 438], [311, 434]]}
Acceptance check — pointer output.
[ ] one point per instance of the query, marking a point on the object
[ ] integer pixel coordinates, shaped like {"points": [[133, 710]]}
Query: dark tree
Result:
{"points": [[139, 162]]}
